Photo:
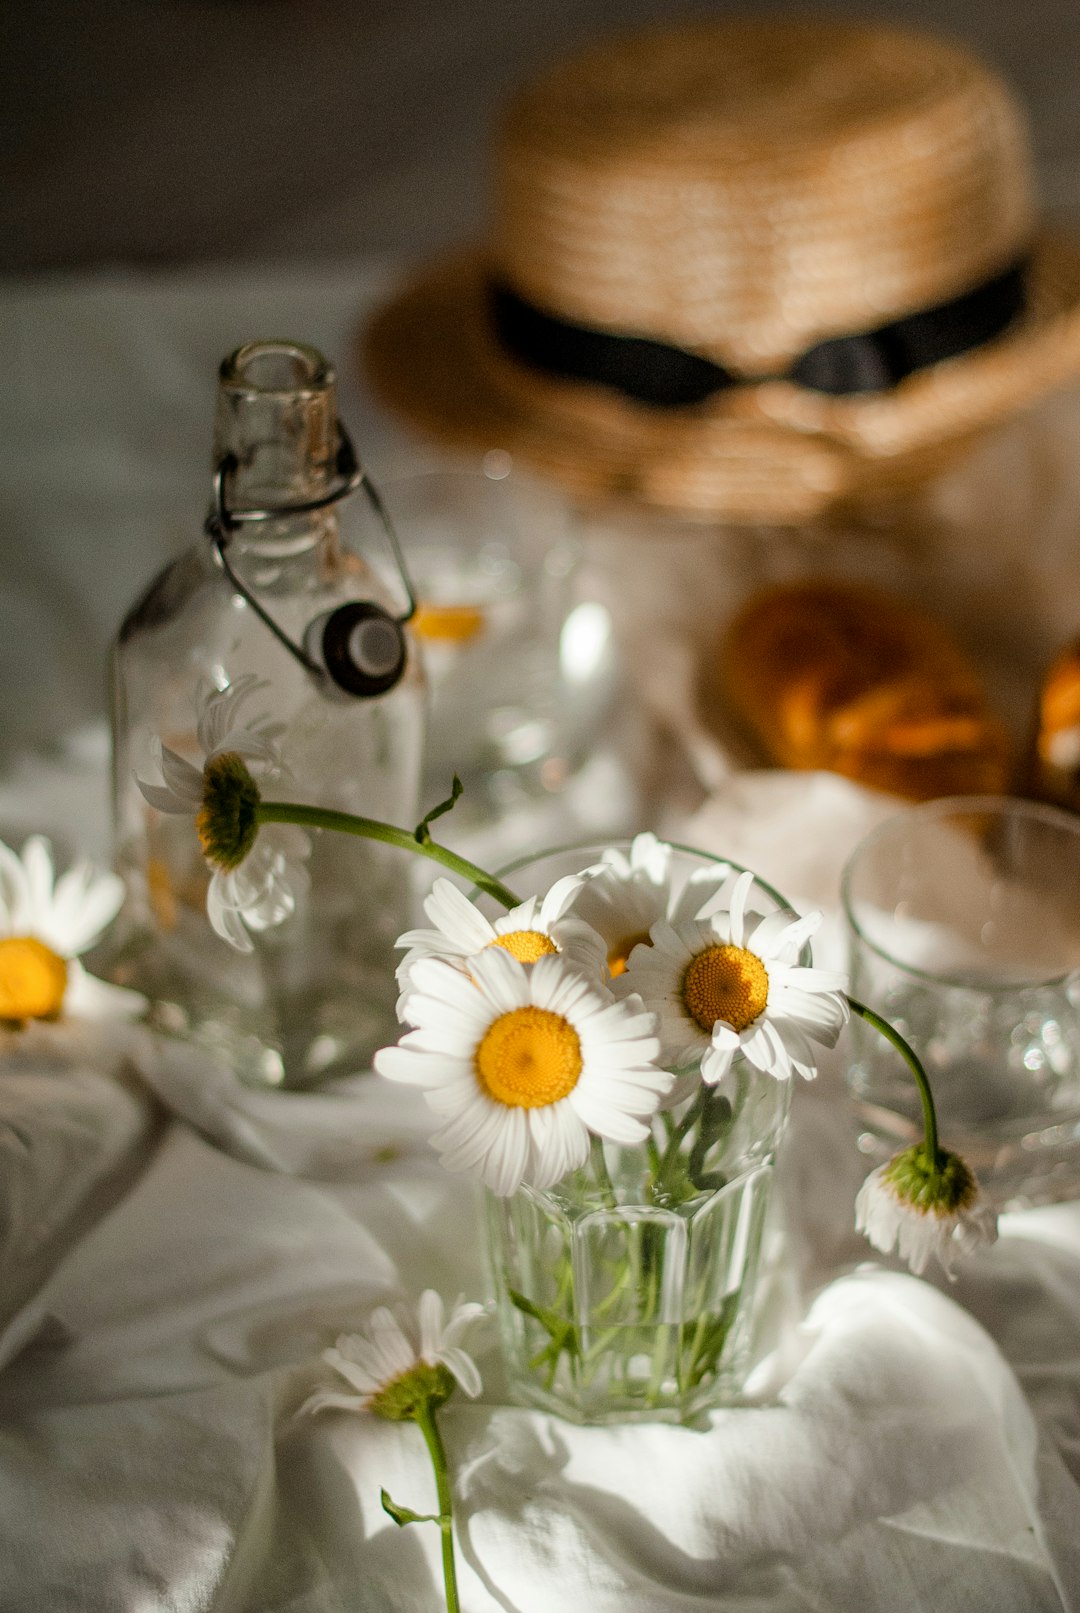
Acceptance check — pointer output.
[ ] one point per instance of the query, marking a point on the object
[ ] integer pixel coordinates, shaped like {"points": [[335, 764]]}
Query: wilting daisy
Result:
{"points": [[522, 1063], [258, 873], [731, 984], [45, 923], [537, 928], [405, 1369], [624, 895], [922, 1207], [402, 1360]]}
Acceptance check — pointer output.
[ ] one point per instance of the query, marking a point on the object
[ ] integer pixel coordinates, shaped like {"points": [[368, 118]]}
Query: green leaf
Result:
{"points": [[422, 832], [404, 1515]]}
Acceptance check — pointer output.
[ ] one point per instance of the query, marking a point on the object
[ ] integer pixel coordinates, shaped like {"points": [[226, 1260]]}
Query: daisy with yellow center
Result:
{"points": [[624, 894], [45, 923], [731, 984], [258, 873], [523, 1062], [535, 929]]}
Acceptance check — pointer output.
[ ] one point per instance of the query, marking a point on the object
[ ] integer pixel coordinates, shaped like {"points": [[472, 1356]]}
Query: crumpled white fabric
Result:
{"points": [[175, 1251], [911, 1447]]}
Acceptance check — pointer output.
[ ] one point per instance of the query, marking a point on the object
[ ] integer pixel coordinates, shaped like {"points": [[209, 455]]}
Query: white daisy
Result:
{"points": [[258, 873], [624, 895], [522, 1063], [731, 984], [402, 1361], [45, 923], [923, 1208], [536, 928]]}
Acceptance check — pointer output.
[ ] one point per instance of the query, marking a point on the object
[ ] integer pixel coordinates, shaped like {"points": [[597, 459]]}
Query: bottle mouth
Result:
{"points": [[277, 368]]}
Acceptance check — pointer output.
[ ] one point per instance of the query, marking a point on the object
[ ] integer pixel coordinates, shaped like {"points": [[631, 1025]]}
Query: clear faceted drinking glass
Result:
{"points": [[618, 1302], [520, 673], [964, 924]]}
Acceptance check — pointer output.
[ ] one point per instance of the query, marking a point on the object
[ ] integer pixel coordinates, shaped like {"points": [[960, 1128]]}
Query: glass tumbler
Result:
{"points": [[964, 924], [619, 1302], [520, 672]]}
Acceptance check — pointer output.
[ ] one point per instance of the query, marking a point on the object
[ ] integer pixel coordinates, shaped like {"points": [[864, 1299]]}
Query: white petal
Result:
{"points": [[224, 918], [738, 907], [391, 1340], [38, 863], [560, 1143], [465, 1313], [14, 893], [554, 985], [716, 1062], [504, 1168], [84, 902], [163, 800], [328, 1400], [432, 1318], [362, 1377], [407, 1065], [464, 1369], [606, 1122], [558, 899], [184, 780], [502, 978], [457, 918], [87, 997]]}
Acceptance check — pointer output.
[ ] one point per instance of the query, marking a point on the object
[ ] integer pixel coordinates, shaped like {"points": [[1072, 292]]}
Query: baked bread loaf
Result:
{"points": [[846, 678], [1056, 759]]}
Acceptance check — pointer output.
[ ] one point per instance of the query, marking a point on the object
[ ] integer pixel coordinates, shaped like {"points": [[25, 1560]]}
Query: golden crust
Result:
{"points": [[845, 678]]}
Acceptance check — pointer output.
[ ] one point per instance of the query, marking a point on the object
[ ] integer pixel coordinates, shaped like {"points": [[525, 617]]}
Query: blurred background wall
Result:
{"points": [[163, 131]]}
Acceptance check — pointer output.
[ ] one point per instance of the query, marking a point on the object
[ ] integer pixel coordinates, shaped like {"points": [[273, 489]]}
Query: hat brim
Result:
{"points": [[768, 452]]}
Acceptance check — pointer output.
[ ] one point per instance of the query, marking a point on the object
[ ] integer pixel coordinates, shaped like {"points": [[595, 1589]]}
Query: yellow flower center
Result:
{"points": [[33, 979], [528, 1058], [725, 982], [619, 955], [525, 945]]}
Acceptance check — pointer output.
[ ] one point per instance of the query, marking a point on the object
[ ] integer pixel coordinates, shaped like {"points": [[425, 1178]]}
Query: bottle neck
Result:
{"points": [[275, 429]]}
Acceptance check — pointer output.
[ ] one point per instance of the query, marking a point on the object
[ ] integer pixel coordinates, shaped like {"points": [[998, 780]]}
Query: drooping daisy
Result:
{"points": [[522, 1063], [258, 873], [623, 896], [45, 923], [536, 928], [922, 1207], [731, 984], [403, 1361]]}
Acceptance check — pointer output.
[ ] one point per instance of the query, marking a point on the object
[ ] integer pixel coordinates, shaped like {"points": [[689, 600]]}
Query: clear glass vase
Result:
{"points": [[628, 1291]]}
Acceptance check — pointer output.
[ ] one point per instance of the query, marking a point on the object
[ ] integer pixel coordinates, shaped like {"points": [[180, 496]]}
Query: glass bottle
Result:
{"points": [[316, 994]]}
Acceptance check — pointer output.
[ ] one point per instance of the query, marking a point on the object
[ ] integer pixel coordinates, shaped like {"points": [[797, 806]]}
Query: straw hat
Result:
{"points": [[756, 269]]}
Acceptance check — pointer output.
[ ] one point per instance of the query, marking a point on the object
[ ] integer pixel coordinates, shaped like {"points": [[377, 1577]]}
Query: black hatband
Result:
{"points": [[670, 377]]}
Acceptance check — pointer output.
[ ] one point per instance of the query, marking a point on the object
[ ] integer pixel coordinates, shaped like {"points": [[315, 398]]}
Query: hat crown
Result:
{"points": [[748, 188]]}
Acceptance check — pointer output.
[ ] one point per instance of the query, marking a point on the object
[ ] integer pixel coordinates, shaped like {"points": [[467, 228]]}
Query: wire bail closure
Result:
{"points": [[367, 651]]}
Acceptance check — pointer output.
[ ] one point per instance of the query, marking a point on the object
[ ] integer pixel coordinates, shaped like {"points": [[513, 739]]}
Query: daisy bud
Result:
{"points": [[921, 1206]]}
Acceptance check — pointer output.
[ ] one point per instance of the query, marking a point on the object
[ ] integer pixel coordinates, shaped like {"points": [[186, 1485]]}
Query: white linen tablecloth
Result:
{"points": [[912, 1445]]}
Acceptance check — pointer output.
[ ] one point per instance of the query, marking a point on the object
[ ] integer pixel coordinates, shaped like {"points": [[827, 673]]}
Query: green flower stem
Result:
{"points": [[312, 817], [600, 1171], [425, 1421], [678, 1133], [914, 1064]]}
